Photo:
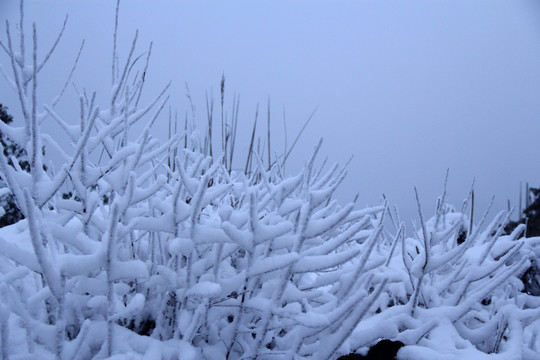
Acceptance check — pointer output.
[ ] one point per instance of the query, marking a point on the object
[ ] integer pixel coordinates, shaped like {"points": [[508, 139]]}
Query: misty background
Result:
{"points": [[409, 88]]}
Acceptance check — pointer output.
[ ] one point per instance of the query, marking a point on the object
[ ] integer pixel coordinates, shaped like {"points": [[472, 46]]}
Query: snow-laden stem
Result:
{"points": [[82, 126], [70, 75], [350, 323], [110, 245], [371, 242], [52, 276], [35, 159], [143, 76], [48, 271], [4, 331], [21, 33], [117, 87], [246, 289], [53, 47], [400, 234], [17, 69], [60, 328], [440, 209], [59, 179], [425, 238], [495, 236], [115, 36]]}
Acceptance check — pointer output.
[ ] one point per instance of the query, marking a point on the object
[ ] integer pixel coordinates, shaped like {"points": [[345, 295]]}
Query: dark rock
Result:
{"points": [[383, 350], [531, 279]]}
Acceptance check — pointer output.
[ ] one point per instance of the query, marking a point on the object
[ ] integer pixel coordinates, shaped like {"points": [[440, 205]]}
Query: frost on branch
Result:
{"points": [[155, 250]]}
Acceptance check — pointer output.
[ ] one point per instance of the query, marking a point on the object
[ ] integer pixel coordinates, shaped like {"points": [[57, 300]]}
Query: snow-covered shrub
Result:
{"points": [[125, 254], [206, 259], [452, 299]]}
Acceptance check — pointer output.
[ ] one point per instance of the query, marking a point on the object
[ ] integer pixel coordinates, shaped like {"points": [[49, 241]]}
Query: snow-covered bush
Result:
{"points": [[125, 254], [465, 294], [218, 262]]}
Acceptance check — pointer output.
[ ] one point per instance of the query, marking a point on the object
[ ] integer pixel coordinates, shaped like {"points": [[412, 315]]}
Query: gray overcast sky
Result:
{"points": [[410, 88]]}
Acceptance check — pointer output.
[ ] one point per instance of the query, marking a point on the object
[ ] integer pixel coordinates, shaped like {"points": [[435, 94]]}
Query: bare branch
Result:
{"points": [[143, 76], [118, 86], [48, 55], [298, 136], [427, 248], [35, 160], [18, 82], [115, 34], [57, 98], [21, 34]]}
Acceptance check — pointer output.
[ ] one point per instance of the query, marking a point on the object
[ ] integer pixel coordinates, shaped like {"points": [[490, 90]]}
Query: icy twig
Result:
{"points": [[51, 50], [36, 161], [18, 82], [75, 63], [110, 245]]}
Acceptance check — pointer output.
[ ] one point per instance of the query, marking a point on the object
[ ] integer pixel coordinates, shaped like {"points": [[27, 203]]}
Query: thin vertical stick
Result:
{"points": [[427, 247], [125, 119], [17, 74], [4, 330], [440, 208], [51, 50], [36, 148], [527, 196], [143, 76], [299, 134], [285, 134], [185, 129], [169, 165], [234, 125], [248, 160], [59, 96], [269, 162], [170, 129], [472, 213], [111, 239], [520, 200], [175, 152], [114, 41], [259, 151], [117, 87], [223, 127], [82, 176], [21, 31], [209, 112]]}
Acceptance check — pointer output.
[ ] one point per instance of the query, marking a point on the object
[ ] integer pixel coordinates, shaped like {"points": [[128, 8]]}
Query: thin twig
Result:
{"points": [[298, 136], [59, 96], [269, 161], [248, 160]]}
